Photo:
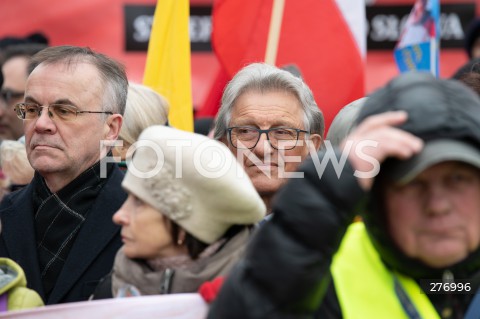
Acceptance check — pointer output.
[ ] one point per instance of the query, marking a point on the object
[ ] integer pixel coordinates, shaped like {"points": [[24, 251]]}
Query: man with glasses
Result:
{"points": [[269, 119], [14, 65], [416, 252], [59, 227]]}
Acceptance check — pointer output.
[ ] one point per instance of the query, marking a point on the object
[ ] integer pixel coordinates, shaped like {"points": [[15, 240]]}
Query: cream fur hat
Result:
{"points": [[193, 180]]}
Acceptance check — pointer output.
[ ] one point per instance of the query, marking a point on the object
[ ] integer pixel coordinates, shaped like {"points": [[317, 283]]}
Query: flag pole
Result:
{"points": [[274, 31]]}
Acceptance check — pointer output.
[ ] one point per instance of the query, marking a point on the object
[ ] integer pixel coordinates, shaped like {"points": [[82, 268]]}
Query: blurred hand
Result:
{"points": [[392, 142]]}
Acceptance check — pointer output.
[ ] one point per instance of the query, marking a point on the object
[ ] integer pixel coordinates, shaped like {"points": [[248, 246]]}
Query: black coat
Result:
{"points": [[91, 256], [286, 271]]}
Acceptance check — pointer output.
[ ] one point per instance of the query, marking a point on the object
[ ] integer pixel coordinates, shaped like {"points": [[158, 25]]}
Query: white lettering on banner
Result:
{"points": [[142, 25], [451, 27], [387, 27], [200, 28], [384, 27]]}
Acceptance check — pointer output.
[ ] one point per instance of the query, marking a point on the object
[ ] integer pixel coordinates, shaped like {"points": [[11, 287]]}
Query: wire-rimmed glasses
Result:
{"points": [[65, 112]]}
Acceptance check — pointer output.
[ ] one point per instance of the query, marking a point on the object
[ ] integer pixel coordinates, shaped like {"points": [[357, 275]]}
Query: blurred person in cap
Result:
{"points": [[269, 119], [144, 108], [14, 61], [185, 221], [417, 253], [472, 39], [58, 227]]}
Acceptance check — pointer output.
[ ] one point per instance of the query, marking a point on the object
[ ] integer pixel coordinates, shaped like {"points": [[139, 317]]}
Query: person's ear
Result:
{"points": [[316, 141], [112, 126]]}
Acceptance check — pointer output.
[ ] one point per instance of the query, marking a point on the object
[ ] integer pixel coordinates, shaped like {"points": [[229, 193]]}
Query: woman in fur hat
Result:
{"points": [[187, 218]]}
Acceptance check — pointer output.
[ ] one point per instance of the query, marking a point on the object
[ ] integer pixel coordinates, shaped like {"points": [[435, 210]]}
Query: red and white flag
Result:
{"points": [[324, 39]]}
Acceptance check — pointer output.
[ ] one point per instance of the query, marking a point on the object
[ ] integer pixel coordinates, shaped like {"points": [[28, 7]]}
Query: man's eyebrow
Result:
{"points": [[273, 125], [64, 101], [251, 122], [30, 99]]}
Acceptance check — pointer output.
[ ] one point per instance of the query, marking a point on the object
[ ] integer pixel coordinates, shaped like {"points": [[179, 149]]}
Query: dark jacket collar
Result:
{"points": [[97, 231]]}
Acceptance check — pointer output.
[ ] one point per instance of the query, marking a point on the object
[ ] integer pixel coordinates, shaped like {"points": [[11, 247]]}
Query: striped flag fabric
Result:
{"points": [[419, 44], [167, 69]]}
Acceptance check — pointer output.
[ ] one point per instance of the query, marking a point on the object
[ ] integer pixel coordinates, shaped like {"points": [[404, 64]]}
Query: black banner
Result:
{"points": [[139, 20], [385, 24]]}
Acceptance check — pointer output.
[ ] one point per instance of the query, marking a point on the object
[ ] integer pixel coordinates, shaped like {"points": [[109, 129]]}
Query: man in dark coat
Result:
{"points": [[59, 227], [417, 252]]}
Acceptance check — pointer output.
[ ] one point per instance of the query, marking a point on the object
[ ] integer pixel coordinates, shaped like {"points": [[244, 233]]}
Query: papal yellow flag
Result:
{"points": [[167, 69]]}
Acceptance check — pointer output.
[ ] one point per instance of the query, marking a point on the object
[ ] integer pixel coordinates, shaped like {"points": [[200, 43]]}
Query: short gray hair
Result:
{"points": [[344, 121], [111, 72], [262, 77]]}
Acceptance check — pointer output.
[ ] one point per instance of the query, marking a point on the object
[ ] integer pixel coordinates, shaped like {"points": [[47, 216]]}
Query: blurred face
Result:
{"points": [[145, 231], [15, 77], [61, 150], [435, 218], [274, 109]]}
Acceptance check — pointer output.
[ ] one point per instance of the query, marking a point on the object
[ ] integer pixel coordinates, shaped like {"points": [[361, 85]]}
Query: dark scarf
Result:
{"points": [[59, 217]]}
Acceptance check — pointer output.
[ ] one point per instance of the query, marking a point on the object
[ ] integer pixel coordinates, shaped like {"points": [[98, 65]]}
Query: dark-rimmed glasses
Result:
{"points": [[65, 112], [246, 137], [9, 95]]}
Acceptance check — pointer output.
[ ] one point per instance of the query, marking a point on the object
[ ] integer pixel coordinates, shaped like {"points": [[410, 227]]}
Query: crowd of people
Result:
{"points": [[377, 218]]}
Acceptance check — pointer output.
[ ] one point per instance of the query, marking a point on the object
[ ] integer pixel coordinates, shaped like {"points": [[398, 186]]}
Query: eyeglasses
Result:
{"points": [[9, 95], [65, 112], [246, 137]]}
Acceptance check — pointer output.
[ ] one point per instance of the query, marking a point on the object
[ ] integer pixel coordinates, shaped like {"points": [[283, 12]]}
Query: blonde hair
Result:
{"points": [[145, 108], [14, 162]]}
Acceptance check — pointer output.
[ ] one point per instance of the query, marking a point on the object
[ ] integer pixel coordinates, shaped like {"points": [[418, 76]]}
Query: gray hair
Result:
{"points": [[264, 78], [111, 72], [344, 121]]}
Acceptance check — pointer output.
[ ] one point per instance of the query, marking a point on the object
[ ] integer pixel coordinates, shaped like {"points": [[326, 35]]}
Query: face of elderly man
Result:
{"points": [[61, 150], [265, 165], [435, 218], [15, 76]]}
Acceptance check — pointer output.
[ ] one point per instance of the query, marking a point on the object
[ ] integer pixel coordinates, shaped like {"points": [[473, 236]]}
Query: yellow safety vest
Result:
{"points": [[365, 287]]}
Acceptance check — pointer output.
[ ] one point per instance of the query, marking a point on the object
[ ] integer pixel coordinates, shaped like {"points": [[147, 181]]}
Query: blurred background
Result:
{"points": [[121, 29]]}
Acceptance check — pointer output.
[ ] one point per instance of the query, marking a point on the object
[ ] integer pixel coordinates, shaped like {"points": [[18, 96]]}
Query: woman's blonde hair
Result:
{"points": [[14, 162], [145, 108]]}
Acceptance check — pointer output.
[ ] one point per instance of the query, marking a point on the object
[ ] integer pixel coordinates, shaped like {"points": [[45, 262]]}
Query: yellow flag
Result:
{"points": [[167, 69]]}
